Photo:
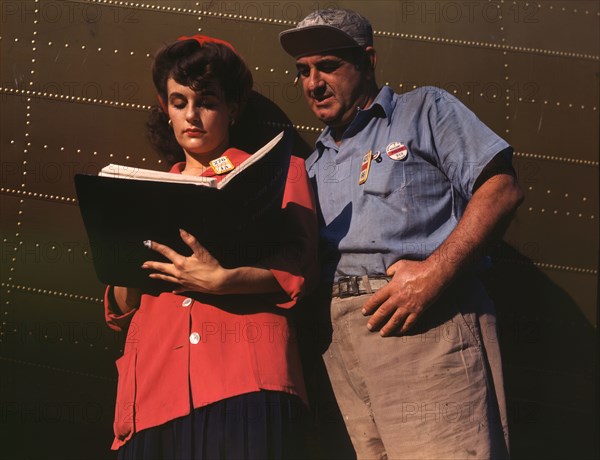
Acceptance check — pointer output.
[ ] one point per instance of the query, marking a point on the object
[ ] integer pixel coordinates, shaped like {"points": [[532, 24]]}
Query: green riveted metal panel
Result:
{"points": [[75, 92]]}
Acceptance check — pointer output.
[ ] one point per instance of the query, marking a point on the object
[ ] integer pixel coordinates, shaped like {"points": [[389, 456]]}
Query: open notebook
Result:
{"points": [[237, 221], [130, 172]]}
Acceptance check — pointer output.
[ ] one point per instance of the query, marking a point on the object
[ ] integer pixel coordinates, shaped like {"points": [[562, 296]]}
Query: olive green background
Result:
{"points": [[75, 90]]}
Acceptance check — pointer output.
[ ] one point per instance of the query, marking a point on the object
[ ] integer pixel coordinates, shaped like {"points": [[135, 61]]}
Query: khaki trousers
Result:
{"points": [[434, 394]]}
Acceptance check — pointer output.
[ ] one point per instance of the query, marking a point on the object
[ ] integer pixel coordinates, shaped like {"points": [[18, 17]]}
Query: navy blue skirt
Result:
{"points": [[252, 426]]}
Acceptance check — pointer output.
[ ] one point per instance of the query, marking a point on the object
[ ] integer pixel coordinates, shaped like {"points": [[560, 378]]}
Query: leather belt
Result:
{"points": [[348, 286]]}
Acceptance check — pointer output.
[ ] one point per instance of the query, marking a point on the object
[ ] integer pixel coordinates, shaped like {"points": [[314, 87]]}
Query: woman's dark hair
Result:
{"points": [[197, 66]]}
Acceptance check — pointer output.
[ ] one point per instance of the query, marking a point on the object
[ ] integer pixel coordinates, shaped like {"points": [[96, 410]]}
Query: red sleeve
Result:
{"points": [[295, 267], [113, 316]]}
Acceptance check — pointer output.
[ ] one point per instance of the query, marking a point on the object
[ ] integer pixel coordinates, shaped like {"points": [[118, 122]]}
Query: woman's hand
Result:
{"points": [[199, 272]]}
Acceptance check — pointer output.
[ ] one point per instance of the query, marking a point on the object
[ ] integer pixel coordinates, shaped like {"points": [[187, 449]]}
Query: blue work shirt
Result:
{"points": [[408, 206]]}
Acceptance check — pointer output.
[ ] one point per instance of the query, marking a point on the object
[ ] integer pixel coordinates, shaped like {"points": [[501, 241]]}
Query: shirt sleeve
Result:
{"points": [[295, 266], [463, 143], [115, 319]]}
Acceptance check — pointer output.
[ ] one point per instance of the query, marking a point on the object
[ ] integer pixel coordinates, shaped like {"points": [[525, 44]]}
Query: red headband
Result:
{"points": [[202, 39]]}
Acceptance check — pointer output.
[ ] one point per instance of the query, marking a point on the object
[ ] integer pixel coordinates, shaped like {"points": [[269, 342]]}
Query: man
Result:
{"points": [[411, 188]]}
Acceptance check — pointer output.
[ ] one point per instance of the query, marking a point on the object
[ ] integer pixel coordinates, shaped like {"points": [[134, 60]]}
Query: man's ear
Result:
{"points": [[370, 58]]}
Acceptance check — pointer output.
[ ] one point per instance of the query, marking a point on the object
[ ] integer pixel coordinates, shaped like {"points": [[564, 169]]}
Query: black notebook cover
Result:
{"points": [[237, 224]]}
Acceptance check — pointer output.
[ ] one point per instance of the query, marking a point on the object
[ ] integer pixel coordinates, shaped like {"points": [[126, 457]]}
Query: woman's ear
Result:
{"points": [[234, 111]]}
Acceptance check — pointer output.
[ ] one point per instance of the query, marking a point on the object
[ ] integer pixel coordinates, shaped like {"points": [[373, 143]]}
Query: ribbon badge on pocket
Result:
{"points": [[365, 167], [397, 151]]}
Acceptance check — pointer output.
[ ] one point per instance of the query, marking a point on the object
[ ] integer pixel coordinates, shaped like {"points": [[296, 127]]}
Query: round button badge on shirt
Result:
{"points": [[194, 338], [187, 302]]}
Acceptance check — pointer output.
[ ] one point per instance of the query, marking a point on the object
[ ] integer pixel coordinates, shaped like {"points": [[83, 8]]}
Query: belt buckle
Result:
{"points": [[347, 286]]}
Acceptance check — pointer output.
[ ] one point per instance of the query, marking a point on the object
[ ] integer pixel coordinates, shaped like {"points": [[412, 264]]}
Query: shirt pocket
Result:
{"points": [[125, 408], [335, 173], [385, 178]]}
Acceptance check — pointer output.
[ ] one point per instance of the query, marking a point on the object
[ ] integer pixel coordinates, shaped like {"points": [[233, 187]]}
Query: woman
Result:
{"points": [[207, 374]]}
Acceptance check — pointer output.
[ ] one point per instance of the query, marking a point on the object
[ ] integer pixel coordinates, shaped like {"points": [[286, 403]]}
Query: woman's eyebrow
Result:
{"points": [[175, 95]]}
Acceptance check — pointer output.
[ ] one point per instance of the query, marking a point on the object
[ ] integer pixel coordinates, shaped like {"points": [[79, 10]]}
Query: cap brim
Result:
{"points": [[314, 40]]}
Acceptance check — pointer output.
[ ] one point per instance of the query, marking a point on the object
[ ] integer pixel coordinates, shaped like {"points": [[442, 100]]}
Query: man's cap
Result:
{"points": [[327, 30]]}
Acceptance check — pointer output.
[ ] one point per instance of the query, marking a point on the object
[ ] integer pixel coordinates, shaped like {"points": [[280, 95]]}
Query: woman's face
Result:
{"points": [[200, 121]]}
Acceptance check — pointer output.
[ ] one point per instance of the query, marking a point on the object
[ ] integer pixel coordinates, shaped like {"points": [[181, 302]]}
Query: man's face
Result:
{"points": [[333, 86]]}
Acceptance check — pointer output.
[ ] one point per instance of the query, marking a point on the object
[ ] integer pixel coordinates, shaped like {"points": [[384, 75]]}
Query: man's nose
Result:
{"points": [[314, 80]]}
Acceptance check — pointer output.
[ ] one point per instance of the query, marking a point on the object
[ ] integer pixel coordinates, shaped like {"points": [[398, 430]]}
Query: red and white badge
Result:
{"points": [[365, 167], [397, 151]]}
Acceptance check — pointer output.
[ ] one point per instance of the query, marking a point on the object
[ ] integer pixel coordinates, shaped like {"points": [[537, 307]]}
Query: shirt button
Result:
{"points": [[187, 302], [194, 338]]}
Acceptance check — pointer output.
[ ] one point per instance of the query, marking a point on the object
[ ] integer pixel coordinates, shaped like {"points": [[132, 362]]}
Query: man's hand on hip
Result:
{"points": [[397, 306]]}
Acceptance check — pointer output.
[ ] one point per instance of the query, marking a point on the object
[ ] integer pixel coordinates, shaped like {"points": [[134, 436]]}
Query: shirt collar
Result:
{"points": [[383, 101]]}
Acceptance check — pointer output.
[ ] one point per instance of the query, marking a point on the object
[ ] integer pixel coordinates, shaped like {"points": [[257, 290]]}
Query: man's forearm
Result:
{"points": [[485, 218]]}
